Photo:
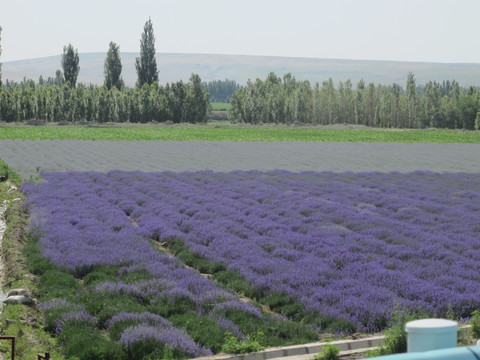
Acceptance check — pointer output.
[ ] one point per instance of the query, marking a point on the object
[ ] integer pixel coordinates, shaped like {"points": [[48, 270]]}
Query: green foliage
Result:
{"points": [[202, 329], [7, 174], [54, 102], [329, 352], [104, 305], [285, 305], [36, 263], [221, 90], [0, 55], [396, 336], [235, 133], [100, 274], [87, 343], [146, 64], [113, 67], [288, 101], [178, 248], [57, 283], [253, 344], [220, 106], [70, 64], [475, 323], [197, 101]]}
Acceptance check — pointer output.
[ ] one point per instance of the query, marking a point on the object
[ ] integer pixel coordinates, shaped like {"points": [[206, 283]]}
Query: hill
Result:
{"points": [[240, 68]]}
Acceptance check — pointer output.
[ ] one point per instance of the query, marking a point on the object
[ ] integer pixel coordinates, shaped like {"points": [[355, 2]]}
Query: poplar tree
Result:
{"points": [[197, 102], [146, 64], [412, 100], [70, 64], [113, 67], [0, 55]]}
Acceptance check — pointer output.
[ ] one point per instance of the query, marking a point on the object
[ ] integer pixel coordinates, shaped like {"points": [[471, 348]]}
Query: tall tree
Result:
{"points": [[113, 67], [0, 55], [70, 64], [197, 101], [146, 64], [412, 100]]}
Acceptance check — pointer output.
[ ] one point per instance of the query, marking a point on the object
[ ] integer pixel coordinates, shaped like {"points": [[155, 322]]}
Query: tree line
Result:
{"points": [[176, 102], [60, 98], [221, 90], [287, 100]]}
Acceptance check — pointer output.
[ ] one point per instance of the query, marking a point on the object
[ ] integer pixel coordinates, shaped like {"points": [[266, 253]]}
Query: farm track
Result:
{"points": [[30, 158]]}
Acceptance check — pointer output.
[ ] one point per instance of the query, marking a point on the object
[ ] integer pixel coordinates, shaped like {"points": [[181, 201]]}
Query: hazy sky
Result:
{"points": [[410, 30]]}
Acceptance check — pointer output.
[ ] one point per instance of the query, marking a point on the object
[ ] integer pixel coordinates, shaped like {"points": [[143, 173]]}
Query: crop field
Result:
{"points": [[30, 158], [341, 250], [227, 132], [158, 249], [221, 106]]}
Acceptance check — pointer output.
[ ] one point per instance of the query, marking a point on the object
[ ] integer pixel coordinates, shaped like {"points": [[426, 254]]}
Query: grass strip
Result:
{"points": [[221, 106], [23, 322], [228, 132], [7, 174]]}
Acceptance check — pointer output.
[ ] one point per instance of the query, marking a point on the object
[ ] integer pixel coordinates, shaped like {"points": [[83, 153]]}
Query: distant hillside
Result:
{"points": [[240, 68]]}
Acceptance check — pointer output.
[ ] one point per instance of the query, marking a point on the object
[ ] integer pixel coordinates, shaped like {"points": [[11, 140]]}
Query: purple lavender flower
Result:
{"points": [[348, 246], [158, 335], [74, 318]]}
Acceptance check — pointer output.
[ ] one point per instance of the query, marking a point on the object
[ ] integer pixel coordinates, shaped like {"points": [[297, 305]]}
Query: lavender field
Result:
{"points": [[349, 246], [29, 158], [337, 249]]}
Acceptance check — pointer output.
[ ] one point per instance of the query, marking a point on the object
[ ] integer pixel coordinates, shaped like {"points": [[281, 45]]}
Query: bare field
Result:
{"points": [[29, 158]]}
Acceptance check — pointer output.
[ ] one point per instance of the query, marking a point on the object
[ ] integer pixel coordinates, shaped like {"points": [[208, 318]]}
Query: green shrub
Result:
{"points": [[234, 346], [56, 283], [203, 330], [341, 327], [276, 331], [329, 352], [104, 305], [475, 323], [87, 343], [36, 263], [205, 266], [396, 336], [135, 276], [234, 281], [7, 174], [100, 274]]}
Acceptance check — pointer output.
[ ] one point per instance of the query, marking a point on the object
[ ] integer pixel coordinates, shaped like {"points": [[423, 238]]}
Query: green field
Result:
{"points": [[221, 106], [226, 132]]}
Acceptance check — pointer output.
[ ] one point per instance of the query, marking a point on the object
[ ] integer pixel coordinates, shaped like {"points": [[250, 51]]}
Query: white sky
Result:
{"points": [[409, 30]]}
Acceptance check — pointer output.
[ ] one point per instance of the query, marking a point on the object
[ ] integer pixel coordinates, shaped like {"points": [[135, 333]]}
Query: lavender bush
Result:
{"points": [[348, 246]]}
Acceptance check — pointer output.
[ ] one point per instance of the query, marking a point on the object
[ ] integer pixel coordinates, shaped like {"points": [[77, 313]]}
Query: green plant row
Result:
{"points": [[54, 282], [226, 132], [276, 302]]}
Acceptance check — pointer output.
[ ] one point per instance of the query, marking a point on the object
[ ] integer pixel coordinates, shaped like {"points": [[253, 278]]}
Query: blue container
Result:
{"points": [[457, 353]]}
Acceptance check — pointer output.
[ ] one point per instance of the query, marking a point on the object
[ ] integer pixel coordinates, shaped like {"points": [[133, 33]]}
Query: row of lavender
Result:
{"points": [[349, 246], [80, 230]]}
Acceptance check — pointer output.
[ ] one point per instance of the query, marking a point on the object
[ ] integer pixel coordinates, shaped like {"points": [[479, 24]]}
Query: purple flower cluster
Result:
{"points": [[74, 318], [152, 334], [58, 303], [350, 246], [148, 327]]}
